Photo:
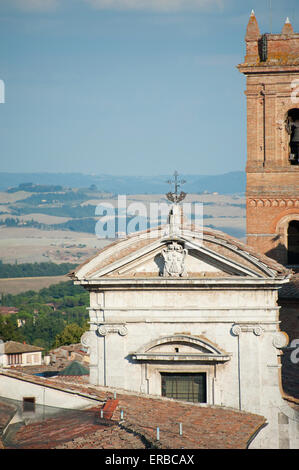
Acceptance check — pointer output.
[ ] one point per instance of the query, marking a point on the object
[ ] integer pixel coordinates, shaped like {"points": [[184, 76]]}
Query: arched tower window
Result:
{"points": [[293, 242], [293, 131]]}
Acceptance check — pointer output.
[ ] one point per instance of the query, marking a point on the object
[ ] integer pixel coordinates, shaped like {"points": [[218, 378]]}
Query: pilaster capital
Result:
{"points": [[256, 329], [107, 328]]}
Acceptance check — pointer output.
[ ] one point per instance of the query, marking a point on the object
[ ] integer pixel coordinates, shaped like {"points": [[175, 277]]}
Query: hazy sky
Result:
{"points": [[127, 87]]}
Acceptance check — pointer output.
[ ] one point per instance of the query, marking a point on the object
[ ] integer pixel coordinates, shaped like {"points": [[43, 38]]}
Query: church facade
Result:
{"points": [[194, 314], [187, 315]]}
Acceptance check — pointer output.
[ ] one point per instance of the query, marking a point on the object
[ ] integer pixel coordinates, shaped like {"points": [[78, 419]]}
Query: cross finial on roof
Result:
{"points": [[175, 196]]}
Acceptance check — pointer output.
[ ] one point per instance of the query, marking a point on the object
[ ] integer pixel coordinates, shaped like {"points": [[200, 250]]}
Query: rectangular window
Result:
{"points": [[14, 359], [28, 404], [185, 386]]}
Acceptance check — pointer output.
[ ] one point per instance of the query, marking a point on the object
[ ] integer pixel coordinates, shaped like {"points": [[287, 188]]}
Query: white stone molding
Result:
{"points": [[174, 258], [199, 349], [280, 340], [106, 329], [122, 331], [258, 330], [86, 339], [237, 329]]}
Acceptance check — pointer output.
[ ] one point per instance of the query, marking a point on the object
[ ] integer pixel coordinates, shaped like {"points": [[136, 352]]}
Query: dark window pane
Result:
{"points": [[29, 404], [184, 386], [293, 242]]}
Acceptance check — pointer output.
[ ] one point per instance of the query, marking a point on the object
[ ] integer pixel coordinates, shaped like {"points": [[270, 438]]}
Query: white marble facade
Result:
{"points": [[190, 302]]}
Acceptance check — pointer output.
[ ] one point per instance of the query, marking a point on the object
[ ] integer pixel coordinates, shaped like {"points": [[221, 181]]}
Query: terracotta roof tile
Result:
{"points": [[211, 235], [204, 427], [291, 289], [8, 310], [13, 347], [6, 413]]}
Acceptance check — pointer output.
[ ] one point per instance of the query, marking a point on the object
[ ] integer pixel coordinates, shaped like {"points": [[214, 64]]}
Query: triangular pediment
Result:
{"points": [[153, 263], [169, 257]]}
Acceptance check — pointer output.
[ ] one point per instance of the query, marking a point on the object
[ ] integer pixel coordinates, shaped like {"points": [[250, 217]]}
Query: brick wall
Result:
{"points": [[272, 182]]}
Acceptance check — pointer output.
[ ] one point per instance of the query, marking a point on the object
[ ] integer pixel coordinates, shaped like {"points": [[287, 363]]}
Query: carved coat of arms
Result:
{"points": [[174, 260]]}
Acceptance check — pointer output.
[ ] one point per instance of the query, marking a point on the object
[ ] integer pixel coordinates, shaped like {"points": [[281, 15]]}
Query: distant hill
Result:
{"points": [[228, 183]]}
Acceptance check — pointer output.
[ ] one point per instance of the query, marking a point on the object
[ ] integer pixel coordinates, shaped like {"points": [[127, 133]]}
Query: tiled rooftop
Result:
{"points": [[6, 413], [291, 289], [8, 310], [75, 429], [204, 427], [13, 347], [211, 239], [53, 431]]}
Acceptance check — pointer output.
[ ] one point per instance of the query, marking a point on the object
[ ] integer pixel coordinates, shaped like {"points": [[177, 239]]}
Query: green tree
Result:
{"points": [[41, 343], [42, 322], [9, 330], [45, 327], [70, 335]]}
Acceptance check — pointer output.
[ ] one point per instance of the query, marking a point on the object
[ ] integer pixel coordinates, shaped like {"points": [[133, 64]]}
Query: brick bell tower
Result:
{"points": [[271, 66]]}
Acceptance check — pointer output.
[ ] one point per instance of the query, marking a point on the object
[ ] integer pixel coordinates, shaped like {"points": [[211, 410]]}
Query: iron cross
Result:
{"points": [[175, 196]]}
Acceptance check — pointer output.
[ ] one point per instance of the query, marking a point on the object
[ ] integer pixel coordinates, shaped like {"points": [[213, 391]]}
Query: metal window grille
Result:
{"points": [[185, 386], [264, 48]]}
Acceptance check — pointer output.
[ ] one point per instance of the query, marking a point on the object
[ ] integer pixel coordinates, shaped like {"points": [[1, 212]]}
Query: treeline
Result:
{"points": [[34, 269], [50, 198], [77, 225], [86, 225], [60, 211], [13, 222], [35, 188], [48, 318], [58, 293]]}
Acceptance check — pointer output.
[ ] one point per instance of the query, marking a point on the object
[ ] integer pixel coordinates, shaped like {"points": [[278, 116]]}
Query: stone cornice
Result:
{"points": [[234, 282], [188, 357], [259, 169], [267, 69], [130, 308]]}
